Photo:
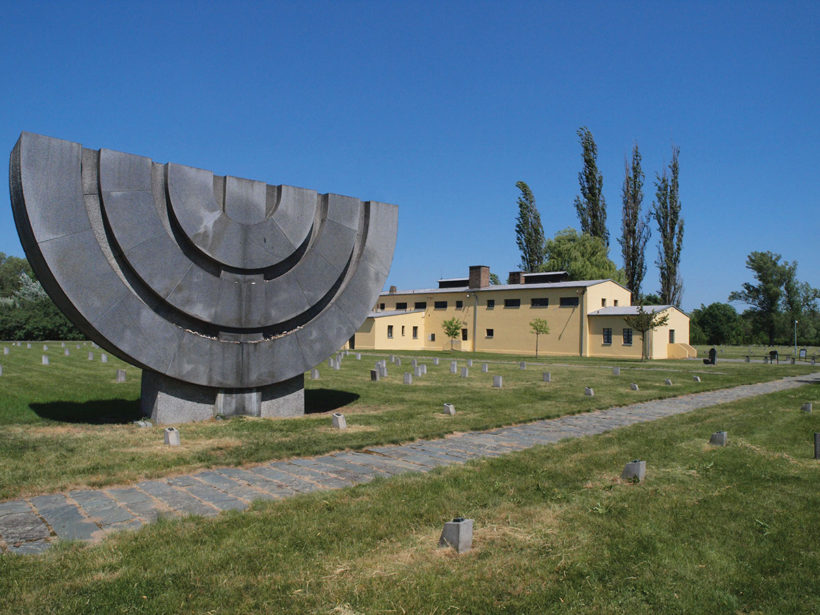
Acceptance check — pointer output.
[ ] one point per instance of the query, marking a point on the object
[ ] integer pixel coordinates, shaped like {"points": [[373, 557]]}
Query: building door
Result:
{"points": [[352, 342]]}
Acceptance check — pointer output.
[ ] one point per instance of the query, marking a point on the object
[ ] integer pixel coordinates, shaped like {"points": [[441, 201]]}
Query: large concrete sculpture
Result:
{"points": [[223, 290]]}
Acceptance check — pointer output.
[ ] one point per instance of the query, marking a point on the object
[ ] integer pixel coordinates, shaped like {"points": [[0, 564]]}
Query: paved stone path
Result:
{"points": [[31, 525]]}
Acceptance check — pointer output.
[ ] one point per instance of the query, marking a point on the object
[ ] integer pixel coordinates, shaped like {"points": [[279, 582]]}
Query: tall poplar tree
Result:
{"points": [[666, 213], [529, 233], [634, 230], [591, 206]]}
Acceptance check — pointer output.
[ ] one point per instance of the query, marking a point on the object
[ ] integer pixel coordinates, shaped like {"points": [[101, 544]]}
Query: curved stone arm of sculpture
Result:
{"points": [[218, 282]]}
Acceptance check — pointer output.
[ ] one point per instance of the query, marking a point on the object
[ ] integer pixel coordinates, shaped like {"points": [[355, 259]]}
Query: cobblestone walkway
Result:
{"points": [[31, 525]]}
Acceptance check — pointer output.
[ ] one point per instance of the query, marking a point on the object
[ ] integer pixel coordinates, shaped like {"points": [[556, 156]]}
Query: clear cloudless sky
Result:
{"points": [[441, 107]]}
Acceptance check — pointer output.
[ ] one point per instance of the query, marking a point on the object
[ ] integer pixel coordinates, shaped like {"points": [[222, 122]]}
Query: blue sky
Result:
{"points": [[440, 107]]}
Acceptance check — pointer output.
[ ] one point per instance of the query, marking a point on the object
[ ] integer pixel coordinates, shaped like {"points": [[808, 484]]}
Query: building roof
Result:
{"points": [[392, 313], [500, 287], [629, 310]]}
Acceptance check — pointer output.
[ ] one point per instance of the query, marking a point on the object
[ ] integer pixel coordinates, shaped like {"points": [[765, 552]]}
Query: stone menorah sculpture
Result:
{"points": [[223, 290]]}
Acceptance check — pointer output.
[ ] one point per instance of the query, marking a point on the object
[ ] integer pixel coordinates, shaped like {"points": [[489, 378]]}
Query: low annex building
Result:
{"points": [[586, 318]]}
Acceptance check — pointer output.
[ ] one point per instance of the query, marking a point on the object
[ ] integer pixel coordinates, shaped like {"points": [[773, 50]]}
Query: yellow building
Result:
{"points": [[585, 318]]}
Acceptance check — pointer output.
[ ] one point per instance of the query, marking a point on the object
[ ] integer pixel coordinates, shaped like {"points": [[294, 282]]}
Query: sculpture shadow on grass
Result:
{"points": [[327, 400], [95, 412]]}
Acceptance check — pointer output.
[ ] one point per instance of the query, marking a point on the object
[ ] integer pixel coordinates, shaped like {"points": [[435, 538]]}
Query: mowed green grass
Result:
{"points": [[756, 352], [710, 530], [69, 424]]}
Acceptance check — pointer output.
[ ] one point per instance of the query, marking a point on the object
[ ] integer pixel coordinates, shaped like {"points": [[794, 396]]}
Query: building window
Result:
{"points": [[627, 337], [420, 305], [464, 335], [401, 306], [569, 301], [415, 333], [440, 305], [512, 303], [459, 305], [607, 336], [402, 330], [490, 304], [539, 302], [390, 332], [615, 302], [490, 332], [381, 306], [603, 302], [671, 336], [432, 337]]}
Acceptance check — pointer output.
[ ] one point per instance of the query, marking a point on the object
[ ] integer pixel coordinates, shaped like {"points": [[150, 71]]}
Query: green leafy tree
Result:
{"points": [[539, 326], [666, 213], [719, 323], [452, 329], [29, 314], [583, 257], [646, 320], [634, 229], [529, 233], [590, 205], [10, 269], [651, 299], [494, 281]]}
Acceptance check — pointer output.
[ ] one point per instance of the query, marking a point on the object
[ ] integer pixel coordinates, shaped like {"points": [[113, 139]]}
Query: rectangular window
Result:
{"points": [[512, 303], [490, 332], [627, 337], [607, 336], [459, 305], [490, 304], [432, 337], [671, 336], [420, 305], [401, 306], [440, 305], [381, 306], [390, 332], [603, 302], [539, 302], [464, 335], [402, 330], [615, 302], [415, 333], [569, 301]]}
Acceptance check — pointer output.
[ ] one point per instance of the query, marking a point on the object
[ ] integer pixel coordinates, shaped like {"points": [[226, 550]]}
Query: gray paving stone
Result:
{"points": [[277, 490], [14, 506], [30, 548], [64, 518], [100, 507], [138, 502], [22, 526], [215, 497], [176, 499], [291, 477], [232, 487]]}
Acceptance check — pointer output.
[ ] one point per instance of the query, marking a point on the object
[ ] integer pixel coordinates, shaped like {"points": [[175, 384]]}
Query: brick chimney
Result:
{"points": [[515, 277], [479, 276]]}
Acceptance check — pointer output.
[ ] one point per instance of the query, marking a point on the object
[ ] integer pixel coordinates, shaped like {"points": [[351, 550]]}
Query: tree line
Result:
{"points": [[585, 255], [26, 311]]}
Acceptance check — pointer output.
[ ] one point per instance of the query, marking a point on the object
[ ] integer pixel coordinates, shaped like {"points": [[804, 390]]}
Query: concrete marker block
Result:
{"points": [[546, 377], [374, 375], [634, 471], [457, 534], [45, 359], [497, 382], [589, 392], [338, 420], [696, 378], [408, 378], [719, 438], [633, 386], [807, 407], [171, 436], [449, 409], [616, 371], [120, 375]]}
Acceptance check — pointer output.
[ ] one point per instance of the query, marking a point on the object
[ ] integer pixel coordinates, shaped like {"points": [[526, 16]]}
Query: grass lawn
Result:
{"points": [[756, 352], [68, 424], [710, 530]]}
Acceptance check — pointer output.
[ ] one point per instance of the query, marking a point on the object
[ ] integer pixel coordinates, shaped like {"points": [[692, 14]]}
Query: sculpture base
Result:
{"points": [[167, 400]]}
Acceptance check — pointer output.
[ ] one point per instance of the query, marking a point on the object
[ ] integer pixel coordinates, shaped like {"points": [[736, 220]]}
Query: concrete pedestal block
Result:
{"points": [[719, 438], [668, 382], [449, 409], [465, 372], [522, 365], [485, 368], [457, 534], [120, 375], [45, 359], [338, 420], [546, 377], [696, 378], [633, 386], [374, 375], [497, 382], [807, 407], [635, 470], [167, 400], [171, 436], [589, 392], [408, 378], [616, 371]]}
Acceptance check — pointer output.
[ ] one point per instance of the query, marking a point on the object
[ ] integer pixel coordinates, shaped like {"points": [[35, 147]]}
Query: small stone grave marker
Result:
{"points": [[453, 367], [719, 438], [469, 362], [408, 378], [45, 346], [358, 356], [45, 359], [171, 436], [449, 409], [417, 372], [103, 358], [807, 407], [522, 365], [485, 367], [465, 372], [635, 470], [423, 368], [668, 382], [374, 375], [338, 420], [1, 370], [66, 352], [748, 359], [696, 378], [398, 361], [616, 371], [383, 371], [497, 382], [5, 350], [546, 377], [90, 356], [314, 374], [120, 375], [633, 386], [28, 345], [435, 361], [589, 392], [457, 534], [414, 363], [62, 344]]}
